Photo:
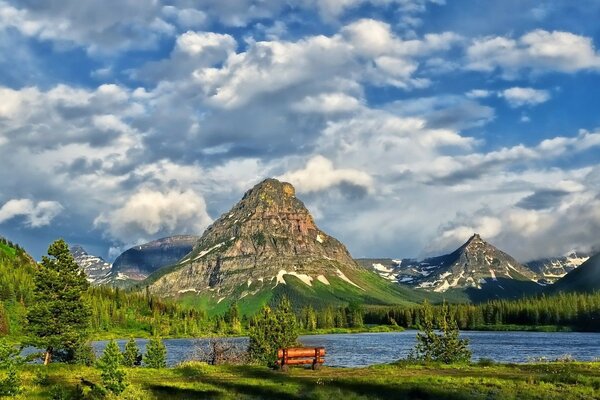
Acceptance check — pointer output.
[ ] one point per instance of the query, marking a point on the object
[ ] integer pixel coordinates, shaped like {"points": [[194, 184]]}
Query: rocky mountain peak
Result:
{"points": [[475, 242], [96, 268], [475, 264], [267, 235]]}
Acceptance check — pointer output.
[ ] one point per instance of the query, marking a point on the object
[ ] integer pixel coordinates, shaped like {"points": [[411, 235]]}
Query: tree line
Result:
{"points": [[578, 311]]}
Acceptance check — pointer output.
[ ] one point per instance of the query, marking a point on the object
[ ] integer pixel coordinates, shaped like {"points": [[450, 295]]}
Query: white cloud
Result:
{"points": [[149, 212], [328, 103], [479, 93], [320, 174], [96, 26], [537, 51], [522, 96], [36, 214]]}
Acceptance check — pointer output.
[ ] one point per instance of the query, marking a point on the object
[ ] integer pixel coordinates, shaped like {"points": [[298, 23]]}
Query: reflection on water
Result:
{"points": [[362, 349]]}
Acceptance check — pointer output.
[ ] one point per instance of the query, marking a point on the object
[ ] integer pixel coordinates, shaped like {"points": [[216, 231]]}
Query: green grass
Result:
{"points": [[400, 381], [8, 250]]}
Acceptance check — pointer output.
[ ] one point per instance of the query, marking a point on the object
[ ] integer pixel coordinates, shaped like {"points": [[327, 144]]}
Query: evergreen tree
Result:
{"points": [[113, 376], [10, 360], [427, 344], [232, 317], [272, 330], [131, 355], [446, 346], [58, 318], [156, 354]]}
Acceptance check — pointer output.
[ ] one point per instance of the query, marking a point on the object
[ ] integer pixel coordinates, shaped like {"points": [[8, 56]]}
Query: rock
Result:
{"points": [[266, 237]]}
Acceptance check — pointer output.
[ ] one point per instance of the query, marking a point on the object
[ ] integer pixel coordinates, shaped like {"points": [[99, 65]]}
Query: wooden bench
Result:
{"points": [[300, 356]]}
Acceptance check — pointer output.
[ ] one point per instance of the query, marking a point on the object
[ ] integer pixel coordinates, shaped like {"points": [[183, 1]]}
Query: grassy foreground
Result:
{"points": [[400, 381]]}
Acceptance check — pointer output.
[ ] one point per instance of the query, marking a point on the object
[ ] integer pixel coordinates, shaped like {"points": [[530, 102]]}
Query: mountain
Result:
{"points": [[586, 278], [476, 268], [96, 269], [267, 245], [552, 269], [139, 262]]}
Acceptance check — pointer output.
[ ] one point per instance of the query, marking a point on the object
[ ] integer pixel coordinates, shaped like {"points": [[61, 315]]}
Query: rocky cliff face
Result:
{"points": [[266, 238], [140, 261], [96, 269]]}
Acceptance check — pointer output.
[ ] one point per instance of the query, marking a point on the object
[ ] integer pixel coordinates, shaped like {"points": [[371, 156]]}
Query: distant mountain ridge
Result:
{"points": [[552, 269], [586, 278], [476, 268], [138, 262], [96, 268]]}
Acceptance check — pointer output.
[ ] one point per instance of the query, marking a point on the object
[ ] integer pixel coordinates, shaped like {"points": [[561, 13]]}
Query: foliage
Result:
{"points": [[579, 311], [272, 330], [131, 355], [156, 354], [10, 384], [446, 347], [233, 320], [110, 365], [59, 318]]}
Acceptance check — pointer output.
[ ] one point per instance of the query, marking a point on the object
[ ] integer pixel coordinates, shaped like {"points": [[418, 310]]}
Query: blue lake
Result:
{"points": [[362, 349]]}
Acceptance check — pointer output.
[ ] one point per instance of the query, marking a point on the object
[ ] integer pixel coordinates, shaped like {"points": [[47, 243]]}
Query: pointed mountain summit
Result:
{"points": [[268, 242], [476, 269], [474, 264]]}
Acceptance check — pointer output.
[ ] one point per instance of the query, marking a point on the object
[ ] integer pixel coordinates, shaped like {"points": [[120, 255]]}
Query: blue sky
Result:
{"points": [[405, 125]]}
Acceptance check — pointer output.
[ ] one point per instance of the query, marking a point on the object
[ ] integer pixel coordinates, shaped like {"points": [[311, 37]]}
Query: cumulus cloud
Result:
{"points": [[36, 214], [536, 51], [522, 96], [366, 50], [320, 174], [543, 224], [96, 26], [149, 212]]}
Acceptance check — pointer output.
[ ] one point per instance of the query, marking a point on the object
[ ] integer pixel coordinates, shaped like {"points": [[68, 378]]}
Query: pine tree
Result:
{"points": [[113, 376], [10, 384], [58, 318], [446, 346], [156, 354], [131, 355], [272, 330]]}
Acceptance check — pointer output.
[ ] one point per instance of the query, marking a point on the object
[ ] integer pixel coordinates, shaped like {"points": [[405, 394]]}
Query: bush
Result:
{"points": [[10, 385], [132, 355], [220, 351], [156, 354], [85, 355], [272, 330], [113, 377], [447, 346]]}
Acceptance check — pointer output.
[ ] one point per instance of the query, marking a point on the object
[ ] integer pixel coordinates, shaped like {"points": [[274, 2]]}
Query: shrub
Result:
{"points": [[113, 377], [447, 346], [272, 330], [131, 355], [156, 354], [10, 385]]}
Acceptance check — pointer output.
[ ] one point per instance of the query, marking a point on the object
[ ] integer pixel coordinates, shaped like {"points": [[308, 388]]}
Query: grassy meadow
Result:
{"points": [[552, 380]]}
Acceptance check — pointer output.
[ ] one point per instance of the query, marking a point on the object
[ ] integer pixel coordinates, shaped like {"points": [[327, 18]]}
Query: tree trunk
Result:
{"points": [[48, 356]]}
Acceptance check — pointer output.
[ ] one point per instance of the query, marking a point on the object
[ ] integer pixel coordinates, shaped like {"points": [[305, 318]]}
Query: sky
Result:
{"points": [[405, 125]]}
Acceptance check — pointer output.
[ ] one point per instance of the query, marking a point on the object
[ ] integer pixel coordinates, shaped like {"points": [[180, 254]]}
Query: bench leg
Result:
{"points": [[316, 366], [284, 368]]}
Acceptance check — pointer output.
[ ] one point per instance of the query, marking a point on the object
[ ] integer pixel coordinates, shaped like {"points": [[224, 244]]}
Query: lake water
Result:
{"points": [[362, 349]]}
